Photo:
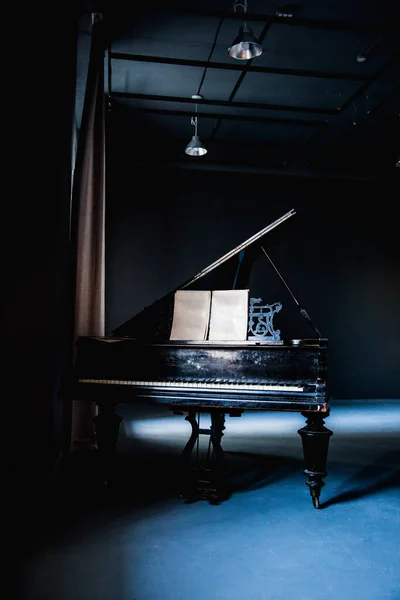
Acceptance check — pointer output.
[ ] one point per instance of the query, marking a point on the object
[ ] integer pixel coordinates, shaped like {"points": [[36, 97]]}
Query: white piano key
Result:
{"points": [[200, 384]]}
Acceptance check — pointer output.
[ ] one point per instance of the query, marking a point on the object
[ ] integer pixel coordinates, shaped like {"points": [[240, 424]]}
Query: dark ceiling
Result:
{"points": [[322, 99]]}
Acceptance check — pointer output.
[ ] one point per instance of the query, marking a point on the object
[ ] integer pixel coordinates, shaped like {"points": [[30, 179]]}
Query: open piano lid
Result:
{"points": [[153, 323]]}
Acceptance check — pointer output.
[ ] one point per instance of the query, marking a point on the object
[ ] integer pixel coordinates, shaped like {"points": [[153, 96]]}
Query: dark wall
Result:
{"points": [[36, 295], [338, 254]]}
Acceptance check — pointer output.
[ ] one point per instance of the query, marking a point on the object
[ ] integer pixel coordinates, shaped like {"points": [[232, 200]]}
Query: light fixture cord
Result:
{"points": [[193, 120], [241, 4]]}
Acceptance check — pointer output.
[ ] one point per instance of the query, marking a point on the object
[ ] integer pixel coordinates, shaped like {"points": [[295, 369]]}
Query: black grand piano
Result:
{"points": [[139, 362]]}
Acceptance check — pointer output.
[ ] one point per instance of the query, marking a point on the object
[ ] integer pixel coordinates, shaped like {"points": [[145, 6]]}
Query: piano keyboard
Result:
{"points": [[200, 384]]}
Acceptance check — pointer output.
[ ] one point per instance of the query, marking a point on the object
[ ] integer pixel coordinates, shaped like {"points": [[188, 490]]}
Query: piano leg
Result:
{"points": [[217, 428], [107, 431], [194, 436], [205, 482], [315, 438]]}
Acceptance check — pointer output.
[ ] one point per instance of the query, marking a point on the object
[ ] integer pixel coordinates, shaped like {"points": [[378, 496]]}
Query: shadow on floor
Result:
{"points": [[383, 474]]}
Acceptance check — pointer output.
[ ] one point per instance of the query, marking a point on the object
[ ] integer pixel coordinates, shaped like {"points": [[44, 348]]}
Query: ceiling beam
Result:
{"points": [[386, 25], [235, 67], [325, 137], [385, 100], [233, 104], [370, 80], [228, 117]]}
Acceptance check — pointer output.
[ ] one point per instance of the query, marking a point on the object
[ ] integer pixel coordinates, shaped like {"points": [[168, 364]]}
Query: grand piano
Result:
{"points": [[139, 362]]}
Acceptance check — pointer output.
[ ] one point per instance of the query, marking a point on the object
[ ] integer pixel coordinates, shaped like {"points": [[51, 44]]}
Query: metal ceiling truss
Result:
{"points": [[366, 83], [385, 100], [327, 25], [235, 67], [228, 117], [369, 81], [321, 126], [232, 104]]}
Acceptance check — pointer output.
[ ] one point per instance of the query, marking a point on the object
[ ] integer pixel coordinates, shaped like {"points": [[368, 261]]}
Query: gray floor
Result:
{"points": [[266, 542]]}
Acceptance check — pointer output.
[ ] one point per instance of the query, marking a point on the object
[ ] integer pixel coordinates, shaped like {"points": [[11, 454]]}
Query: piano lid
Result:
{"points": [[153, 323], [238, 249]]}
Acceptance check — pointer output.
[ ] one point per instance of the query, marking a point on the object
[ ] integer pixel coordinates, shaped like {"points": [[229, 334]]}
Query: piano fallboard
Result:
{"points": [[235, 375]]}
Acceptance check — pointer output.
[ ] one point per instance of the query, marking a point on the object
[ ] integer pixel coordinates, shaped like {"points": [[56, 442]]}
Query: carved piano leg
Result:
{"points": [[217, 429], [315, 438], [220, 491], [189, 489], [205, 482], [107, 424], [187, 451]]}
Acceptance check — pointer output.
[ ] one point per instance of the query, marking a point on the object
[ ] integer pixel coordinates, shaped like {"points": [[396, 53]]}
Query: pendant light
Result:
{"points": [[195, 147], [245, 46]]}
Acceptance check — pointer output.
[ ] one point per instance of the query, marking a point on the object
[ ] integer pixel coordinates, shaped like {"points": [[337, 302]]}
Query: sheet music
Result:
{"points": [[191, 315], [229, 315]]}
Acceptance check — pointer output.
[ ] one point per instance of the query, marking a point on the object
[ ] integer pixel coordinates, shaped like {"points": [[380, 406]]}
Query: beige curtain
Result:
{"points": [[88, 224]]}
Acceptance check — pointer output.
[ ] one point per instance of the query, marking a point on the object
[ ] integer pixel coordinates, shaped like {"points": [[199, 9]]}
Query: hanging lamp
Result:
{"points": [[195, 147], [245, 46]]}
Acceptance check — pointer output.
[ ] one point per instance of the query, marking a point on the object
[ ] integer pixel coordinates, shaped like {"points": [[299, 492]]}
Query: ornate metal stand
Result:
{"points": [[315, 438], [204, 480], [260, 324]]}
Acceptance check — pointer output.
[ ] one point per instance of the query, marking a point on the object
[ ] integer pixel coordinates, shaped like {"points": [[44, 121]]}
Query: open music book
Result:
{"points": [[220, 315]]}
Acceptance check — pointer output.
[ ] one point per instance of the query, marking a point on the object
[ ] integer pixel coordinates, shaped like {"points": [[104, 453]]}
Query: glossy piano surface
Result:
{"points": [[139, 363], [243, 375]]}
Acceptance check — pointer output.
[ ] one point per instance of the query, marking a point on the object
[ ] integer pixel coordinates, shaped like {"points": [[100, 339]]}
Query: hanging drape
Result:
{"points": [[88, 224]]}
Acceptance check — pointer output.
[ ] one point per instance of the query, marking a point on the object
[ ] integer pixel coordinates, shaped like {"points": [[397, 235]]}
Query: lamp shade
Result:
{"points": [[196, 147], [245, 45]]}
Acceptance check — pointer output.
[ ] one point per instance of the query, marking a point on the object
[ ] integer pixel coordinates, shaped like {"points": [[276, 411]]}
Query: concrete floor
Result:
{"points": [[140, 541]]}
